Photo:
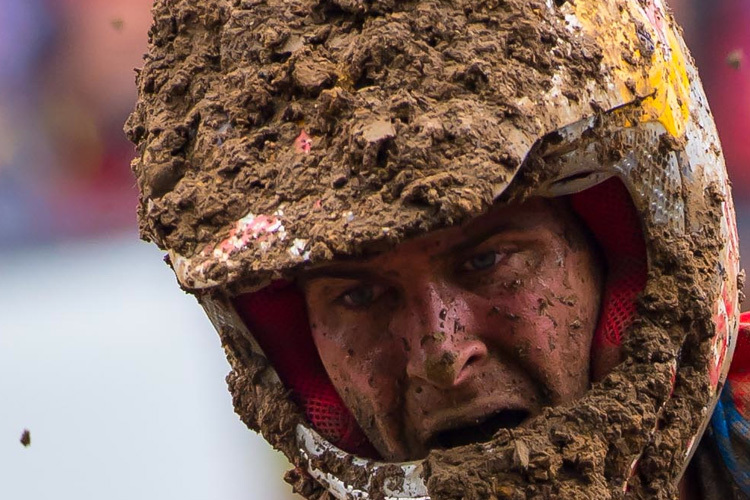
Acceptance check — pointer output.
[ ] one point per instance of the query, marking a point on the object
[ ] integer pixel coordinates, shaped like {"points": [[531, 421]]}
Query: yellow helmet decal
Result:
{"points": [[649, 67]]}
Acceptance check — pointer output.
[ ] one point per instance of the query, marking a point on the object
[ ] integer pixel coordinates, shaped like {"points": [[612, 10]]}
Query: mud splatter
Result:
{"points": [[324, 108], [735, 59]]}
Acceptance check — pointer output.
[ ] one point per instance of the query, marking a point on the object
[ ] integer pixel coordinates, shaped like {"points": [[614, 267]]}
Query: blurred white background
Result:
{"points": [[119, 376]]}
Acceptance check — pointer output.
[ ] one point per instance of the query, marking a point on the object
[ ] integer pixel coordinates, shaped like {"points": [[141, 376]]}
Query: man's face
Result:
{"points": [[446, 338]]}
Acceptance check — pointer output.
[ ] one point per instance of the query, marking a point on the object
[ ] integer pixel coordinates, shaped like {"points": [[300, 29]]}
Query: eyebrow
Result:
{"points": [[341, 270], [360, 271], [476, 239]]}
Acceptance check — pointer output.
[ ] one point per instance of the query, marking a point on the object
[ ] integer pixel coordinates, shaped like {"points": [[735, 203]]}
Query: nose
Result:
{"points": [[437, 326]]}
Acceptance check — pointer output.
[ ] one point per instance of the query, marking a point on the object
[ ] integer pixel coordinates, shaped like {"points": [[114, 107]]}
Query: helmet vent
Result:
{"points": [[574, 177]]}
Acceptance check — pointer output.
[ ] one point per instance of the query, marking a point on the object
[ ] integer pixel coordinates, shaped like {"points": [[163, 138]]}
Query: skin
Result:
{"points": [[446, 330]]}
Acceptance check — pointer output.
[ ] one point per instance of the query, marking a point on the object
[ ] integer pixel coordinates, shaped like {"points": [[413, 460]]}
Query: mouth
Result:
{"points": [[480, 430]]}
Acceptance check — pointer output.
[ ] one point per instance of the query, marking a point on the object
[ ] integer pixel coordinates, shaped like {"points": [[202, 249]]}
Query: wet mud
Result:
{"points": [[299, 107], [326, 113]]}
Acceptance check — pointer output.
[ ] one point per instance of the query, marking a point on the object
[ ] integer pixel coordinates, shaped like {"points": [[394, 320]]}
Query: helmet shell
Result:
{"points": [[278, 134], [270, 132]]}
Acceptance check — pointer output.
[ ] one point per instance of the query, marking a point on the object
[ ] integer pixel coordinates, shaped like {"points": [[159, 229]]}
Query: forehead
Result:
{"points": [[533, 218]]}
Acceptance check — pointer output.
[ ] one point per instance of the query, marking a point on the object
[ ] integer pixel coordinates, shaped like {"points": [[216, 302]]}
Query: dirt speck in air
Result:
{"points": [[26, 438]]}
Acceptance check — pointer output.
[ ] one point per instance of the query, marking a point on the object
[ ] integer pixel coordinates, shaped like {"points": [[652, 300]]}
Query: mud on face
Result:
{"points": [[451, 336]]}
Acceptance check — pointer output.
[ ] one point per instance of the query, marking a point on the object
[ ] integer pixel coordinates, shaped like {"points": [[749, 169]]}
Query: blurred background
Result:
{"points": [[116, 373]]}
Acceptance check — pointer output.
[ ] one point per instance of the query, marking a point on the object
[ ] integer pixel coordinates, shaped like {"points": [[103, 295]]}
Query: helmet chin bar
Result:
{"points": [[406, 482]]}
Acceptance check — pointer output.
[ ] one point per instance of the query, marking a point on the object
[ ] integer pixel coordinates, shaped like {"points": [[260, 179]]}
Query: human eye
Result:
{"points": [[361, 296], [482, 261]]}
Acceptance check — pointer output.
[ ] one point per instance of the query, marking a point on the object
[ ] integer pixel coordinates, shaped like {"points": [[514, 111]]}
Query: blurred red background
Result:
{"points": [[66, 87]]}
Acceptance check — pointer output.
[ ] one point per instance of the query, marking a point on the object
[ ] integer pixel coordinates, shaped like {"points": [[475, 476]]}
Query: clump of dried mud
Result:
{"points": [[360, 123], [334, 111]]}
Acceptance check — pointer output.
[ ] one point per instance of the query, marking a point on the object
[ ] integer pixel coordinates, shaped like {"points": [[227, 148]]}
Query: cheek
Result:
{"points": [[545, 322], [360, 360], [573, 299], [526, 325]]}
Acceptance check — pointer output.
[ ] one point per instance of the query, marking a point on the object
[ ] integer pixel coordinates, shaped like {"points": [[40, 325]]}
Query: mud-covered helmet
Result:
{"points": [[274, 135]]}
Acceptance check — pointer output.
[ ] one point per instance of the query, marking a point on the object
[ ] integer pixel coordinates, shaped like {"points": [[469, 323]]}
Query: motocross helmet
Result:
{"points": [[276, 135]]}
